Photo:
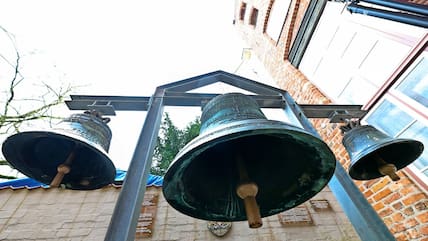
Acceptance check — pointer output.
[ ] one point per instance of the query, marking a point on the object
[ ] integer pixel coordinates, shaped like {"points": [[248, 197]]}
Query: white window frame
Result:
{"points": [[276, 19], [413, 108]]}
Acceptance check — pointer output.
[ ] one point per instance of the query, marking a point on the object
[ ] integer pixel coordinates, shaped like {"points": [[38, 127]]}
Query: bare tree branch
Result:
{"points": [[15, 81], [7, 177], [13, 117]]}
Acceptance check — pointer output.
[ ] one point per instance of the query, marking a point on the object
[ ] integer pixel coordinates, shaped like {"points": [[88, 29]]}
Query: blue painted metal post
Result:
{"points": [[365, 220], [125, 216]]}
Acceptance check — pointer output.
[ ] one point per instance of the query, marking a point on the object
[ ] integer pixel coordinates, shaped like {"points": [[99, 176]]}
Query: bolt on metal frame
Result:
{"points": [[365, 220]]}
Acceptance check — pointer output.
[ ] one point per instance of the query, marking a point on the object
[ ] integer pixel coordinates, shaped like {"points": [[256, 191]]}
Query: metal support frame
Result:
{"points": [[133, 103], [123, 223], [124, 220]]}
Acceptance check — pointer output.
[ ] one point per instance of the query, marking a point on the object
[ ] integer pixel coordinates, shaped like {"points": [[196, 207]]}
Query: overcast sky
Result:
{"points": [[125, 47], [119, 48]]}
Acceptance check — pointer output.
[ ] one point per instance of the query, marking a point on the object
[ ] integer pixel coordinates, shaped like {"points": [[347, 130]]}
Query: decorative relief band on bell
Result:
{"points": [[227, 108], [89, 127]]}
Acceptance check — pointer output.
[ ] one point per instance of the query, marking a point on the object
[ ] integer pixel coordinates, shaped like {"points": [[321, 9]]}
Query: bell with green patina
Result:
{"points": [[374, 154], [73, 154], [284, 164]]}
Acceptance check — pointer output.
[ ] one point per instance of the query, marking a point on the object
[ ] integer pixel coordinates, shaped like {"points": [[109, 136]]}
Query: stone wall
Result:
{"points": [[59, 214], [55, 214]]}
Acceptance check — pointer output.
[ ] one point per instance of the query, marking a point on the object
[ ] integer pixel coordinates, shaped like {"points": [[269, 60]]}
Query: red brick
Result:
{"points": [[378, 206], [385, 212], [411, 223], [413, 199], [395, 186], [409, 211], [413, 233], [388, 221], [378, 186], [423, 205], [391, 198], [405, 181], [399, 227], [397, 217], [370, 183], [401, 237], [380, 195], [368, 193], [424, 230], [406, 190], [397, 205], [423, 217]]}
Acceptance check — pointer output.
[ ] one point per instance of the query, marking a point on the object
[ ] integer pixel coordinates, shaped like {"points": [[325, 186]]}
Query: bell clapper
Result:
{"points": [[388, 169], [247, 191], [63, 169]]}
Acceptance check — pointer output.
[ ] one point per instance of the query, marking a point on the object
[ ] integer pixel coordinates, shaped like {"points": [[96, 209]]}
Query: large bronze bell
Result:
{"points": [[73, 154], [244, 167], [374, 154]]}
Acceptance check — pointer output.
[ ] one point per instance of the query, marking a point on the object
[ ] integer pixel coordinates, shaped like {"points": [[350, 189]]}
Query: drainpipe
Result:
{"points": [[411, 19], [400, 5]]}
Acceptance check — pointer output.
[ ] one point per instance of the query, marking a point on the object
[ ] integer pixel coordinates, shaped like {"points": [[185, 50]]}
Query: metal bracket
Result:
{"points": [[103, 107], [340, 116]]}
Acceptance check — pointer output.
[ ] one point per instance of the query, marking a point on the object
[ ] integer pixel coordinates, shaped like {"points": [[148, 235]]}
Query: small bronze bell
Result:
{"points": [[374, 154], [245, 167], [74, 153]]}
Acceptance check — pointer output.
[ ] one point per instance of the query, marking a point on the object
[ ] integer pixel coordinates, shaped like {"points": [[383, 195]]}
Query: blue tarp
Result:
{"points": [[29, 183], [23, 182]]}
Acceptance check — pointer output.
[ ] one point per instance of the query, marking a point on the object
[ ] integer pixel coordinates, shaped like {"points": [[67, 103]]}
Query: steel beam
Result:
{"points": [[172, 98], [125, 216]]}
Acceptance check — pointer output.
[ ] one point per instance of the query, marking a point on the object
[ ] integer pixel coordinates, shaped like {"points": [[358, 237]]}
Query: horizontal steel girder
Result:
{"points": [[109, 104]]}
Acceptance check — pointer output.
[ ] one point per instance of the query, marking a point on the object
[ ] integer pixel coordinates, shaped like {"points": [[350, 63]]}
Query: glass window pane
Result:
{"points": [[358, 91], [377, 67], [418, 131], [389, 118], [415, 84]]}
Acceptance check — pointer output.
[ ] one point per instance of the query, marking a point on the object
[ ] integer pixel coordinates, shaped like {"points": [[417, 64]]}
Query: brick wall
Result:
{"points": [[58, 214], [55, 214], [402, 205]]}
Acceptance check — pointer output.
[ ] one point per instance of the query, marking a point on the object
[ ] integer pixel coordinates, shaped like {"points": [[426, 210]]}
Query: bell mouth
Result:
{"points": [[288, 164], [37, 154], [400, 152]]}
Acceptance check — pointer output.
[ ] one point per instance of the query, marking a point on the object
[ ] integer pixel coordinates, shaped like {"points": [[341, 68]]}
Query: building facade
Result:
{"points": [[322, 54], [42, 213]]}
